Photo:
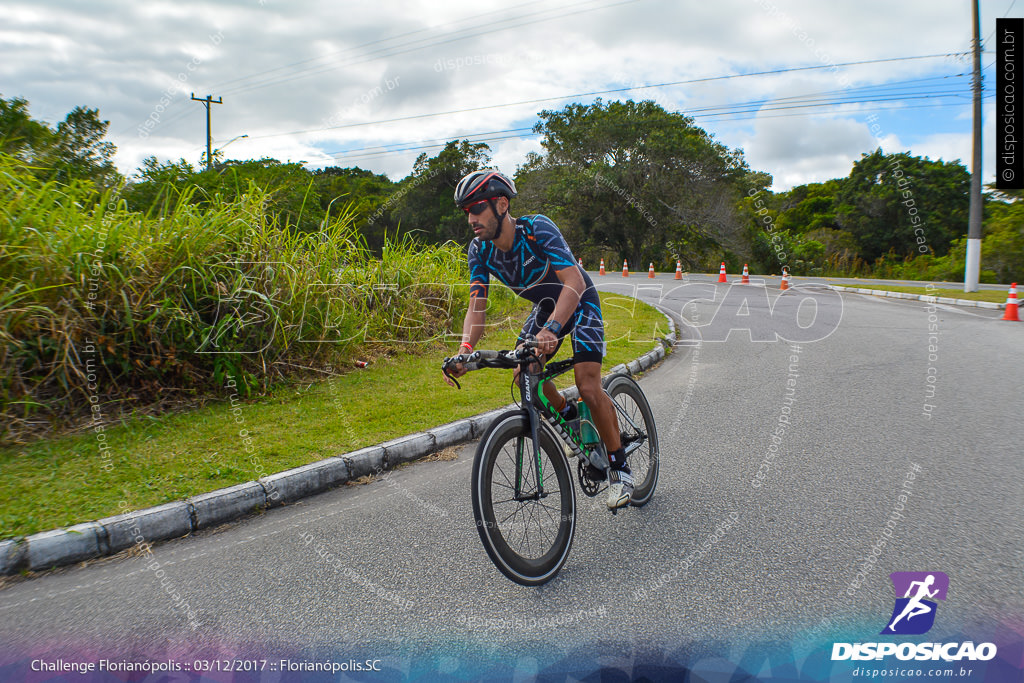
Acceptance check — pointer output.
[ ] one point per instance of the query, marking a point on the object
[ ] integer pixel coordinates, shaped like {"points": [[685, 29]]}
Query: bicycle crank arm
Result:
{"points": [[632, 444]]}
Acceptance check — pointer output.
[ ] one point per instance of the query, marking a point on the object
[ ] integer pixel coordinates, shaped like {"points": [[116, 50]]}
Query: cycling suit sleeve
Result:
{"points": [[552, 243], [479, 275]]}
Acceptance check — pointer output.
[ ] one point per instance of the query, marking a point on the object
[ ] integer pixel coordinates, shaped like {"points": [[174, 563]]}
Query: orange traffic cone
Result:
{"points": [[746, 276], [650, 272], [785, 278], [1011, 304], [625, 268], [679, 271], [579, 262], [601, 272], [721, 273]]}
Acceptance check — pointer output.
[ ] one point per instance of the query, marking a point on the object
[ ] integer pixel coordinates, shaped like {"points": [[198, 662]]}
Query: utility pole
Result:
{"points": [[972, 264], [209, 140]]}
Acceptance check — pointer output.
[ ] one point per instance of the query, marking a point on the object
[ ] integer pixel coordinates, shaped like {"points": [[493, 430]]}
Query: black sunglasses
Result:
{"points": [[476, 208]]}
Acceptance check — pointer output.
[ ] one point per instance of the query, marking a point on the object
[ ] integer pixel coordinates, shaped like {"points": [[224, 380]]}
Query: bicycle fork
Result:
{"points": [[529, 387]]}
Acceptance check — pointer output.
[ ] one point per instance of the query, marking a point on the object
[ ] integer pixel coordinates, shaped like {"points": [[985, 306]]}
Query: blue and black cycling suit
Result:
{"points": [[529, 269]]}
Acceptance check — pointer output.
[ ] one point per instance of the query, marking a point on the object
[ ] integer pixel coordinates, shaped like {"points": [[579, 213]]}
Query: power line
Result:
{"points": [[422, 148], [385, 53], [182, 113], [711, 117], [736, 115], [374, 42], [444, 140], [600, 92], [818, 98]]}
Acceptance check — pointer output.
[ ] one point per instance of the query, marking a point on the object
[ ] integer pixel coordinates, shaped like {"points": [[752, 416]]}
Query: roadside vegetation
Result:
{"points": [[141, 317], [150, 460]]}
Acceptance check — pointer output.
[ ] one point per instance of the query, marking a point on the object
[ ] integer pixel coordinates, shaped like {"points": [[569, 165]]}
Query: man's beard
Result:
{"points": [[484, 230]]}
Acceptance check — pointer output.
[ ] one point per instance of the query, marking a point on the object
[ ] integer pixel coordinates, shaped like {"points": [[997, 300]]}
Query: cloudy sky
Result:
{"points": [[374, 84]]}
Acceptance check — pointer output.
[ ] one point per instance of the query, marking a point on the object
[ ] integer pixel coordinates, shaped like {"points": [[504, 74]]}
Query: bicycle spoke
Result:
{"points": [[526, 534]]}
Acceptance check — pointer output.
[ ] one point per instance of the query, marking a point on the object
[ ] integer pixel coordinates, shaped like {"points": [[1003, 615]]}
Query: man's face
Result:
{"points": [[485, 224]]}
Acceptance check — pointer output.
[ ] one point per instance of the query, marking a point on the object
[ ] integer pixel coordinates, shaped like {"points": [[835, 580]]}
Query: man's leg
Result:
{"points": [[588, 381], [620, 480], [553, 396]]}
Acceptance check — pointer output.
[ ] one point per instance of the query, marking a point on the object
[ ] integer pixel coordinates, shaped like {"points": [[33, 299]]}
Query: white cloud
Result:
{"points": [[806, 149], [291, 67]]}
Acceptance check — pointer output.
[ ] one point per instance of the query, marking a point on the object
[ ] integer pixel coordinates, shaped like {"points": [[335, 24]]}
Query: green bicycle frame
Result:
{"points": [[537, 405]]}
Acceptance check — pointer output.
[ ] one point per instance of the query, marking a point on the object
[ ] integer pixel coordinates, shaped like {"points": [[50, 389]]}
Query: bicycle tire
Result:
{"points": [[644, 462], [500, 529]]}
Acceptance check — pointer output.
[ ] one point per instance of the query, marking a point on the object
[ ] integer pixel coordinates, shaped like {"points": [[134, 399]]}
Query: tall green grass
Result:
{"points": [[104, 311]]}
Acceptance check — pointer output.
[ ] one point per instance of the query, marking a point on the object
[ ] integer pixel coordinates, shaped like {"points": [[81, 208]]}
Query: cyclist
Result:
{"points": [[531, 257]]}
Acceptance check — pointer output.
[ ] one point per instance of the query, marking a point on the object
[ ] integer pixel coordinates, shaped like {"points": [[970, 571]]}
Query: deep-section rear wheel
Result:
{"points": [[639, 435]]}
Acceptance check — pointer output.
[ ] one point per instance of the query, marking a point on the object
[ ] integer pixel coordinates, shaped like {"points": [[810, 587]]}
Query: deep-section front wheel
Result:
{"points": [[526, 522], [639, 435]]}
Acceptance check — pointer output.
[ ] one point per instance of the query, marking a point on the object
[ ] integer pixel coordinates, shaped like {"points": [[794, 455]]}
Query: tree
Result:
{"points": [[158, 185], [20, 135], [81, 151], [423, 202], [1002, 247], [362, 192], [293, 196], [632, 177], [809, 207], [887, 199], [74, 151]]}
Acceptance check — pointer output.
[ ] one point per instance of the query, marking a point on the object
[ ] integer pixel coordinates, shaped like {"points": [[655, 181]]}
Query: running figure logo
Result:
{"points": [[914, 612]]}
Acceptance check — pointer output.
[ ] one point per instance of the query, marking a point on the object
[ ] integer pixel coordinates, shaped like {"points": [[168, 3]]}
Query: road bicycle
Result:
{"points": [[524, 501]]}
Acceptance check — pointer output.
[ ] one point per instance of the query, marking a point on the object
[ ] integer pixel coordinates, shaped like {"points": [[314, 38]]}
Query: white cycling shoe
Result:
{"points": [[620, 489]]}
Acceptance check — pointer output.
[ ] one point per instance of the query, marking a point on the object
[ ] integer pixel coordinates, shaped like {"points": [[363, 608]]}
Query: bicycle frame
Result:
{"points": [[536, 405]]}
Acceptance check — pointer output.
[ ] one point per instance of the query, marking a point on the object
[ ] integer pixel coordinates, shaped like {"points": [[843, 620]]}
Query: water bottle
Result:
{"points": [[588, 430]]}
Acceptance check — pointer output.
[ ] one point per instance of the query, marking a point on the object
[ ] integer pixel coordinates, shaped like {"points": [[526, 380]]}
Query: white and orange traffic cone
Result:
{"points": [[679, 271], [650, 272], [579, 262], [721, 273], [1011, 304], [601, 272], [625, 268], [785, 278], [746, 276]]}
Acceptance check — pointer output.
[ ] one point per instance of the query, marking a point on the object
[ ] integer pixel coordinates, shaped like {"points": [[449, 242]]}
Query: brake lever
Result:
{"points": [[444, 369], [461, 358]]}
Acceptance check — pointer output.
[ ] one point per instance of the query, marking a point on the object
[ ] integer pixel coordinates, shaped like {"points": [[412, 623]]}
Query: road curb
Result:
{"points": [[61, 547], [920, 297]]}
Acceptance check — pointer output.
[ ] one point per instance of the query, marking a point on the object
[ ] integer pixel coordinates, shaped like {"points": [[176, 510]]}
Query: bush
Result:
{"points": [[103, 309]]}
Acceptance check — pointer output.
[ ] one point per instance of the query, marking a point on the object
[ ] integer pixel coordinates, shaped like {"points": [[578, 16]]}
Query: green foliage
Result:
{"points": [[810, 207], [361, 193], [292, 196], [21, 136], [629, 178], [887, 197], [75, 150], [158, 185], [104, 303], [864, 225], [1002, 245], [67, 480], [424, 200]]}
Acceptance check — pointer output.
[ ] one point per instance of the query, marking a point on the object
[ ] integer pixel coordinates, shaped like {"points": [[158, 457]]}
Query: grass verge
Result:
{"points": [[62, 481], [994, 296]]}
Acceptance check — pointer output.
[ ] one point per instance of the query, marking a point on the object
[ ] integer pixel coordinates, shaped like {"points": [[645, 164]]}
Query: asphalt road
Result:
{"points": [[409, 582]]}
